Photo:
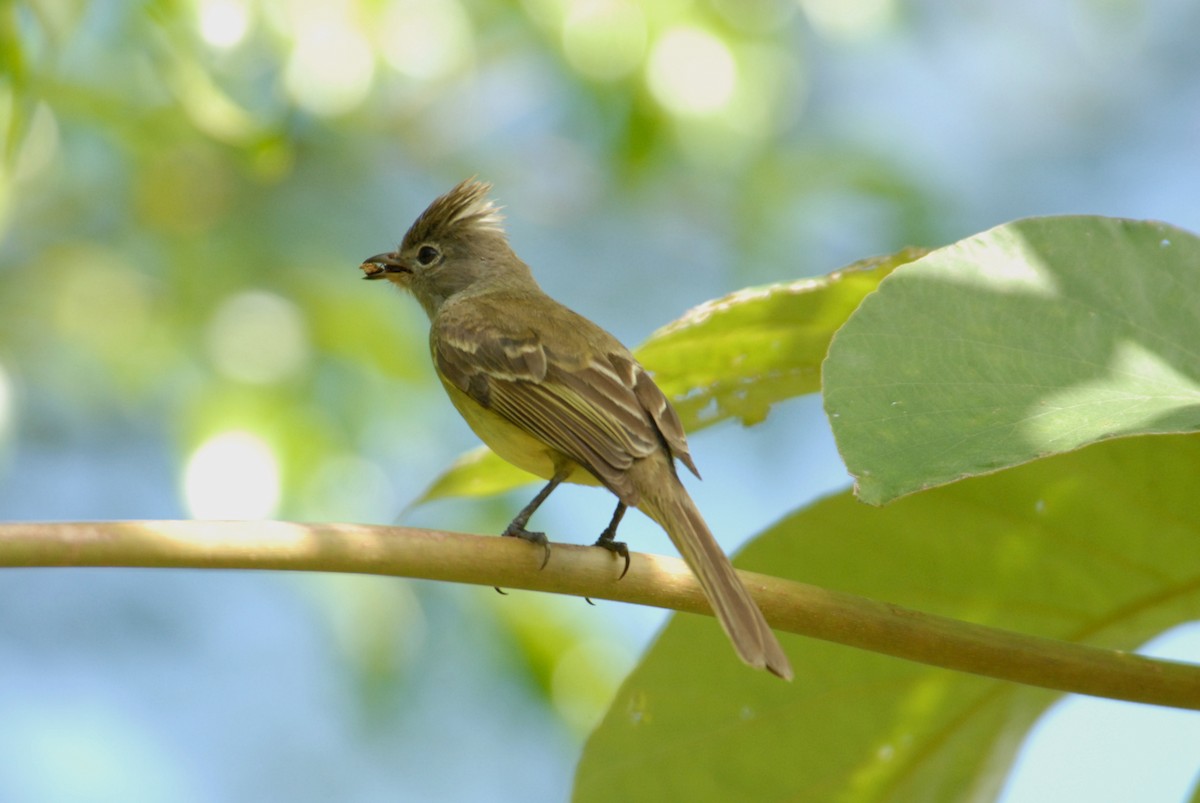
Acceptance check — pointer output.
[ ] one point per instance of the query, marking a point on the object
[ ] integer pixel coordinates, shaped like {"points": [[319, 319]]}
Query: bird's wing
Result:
{"points": [[600, 410]]}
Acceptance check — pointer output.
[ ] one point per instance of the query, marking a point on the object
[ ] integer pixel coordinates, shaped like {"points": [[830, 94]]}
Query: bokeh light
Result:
{"points": [[425, 39], [332, 63], [105, 307], [849, 19], [233, 475], [258, 337], [223, 23], [691, 72], [605, 39]]}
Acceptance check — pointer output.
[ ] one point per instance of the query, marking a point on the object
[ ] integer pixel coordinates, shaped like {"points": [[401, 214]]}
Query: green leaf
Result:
{"points": [[1084, 546], [1033, 338], [735, 356], [479, 472], [732, 357]]}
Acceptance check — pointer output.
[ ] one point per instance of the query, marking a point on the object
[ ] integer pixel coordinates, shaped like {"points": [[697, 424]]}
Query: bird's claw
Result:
{"points": [[516, 531], [616, 547]]}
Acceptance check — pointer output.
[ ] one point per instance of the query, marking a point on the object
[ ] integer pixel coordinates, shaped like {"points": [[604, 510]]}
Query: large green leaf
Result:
{"points": [[735, 356], [1036, 337], [1095, 546], [731, 357]]}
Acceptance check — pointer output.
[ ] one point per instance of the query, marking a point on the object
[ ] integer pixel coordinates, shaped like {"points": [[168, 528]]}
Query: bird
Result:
{"points": [[558, 396]]}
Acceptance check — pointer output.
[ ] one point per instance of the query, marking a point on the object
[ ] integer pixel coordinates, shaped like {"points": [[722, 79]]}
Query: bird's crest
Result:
{"points": [[466, 205]]}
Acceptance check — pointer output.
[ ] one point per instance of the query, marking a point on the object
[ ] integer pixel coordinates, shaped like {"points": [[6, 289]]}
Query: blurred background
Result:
{"points": [[187, 188]]}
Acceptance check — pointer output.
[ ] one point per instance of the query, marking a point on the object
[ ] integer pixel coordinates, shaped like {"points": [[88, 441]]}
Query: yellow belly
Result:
{"points": [[513, 443]]}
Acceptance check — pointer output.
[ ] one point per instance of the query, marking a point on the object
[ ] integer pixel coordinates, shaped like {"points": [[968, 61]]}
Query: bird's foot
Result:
{"points": [[606, 541], [515, 530]]}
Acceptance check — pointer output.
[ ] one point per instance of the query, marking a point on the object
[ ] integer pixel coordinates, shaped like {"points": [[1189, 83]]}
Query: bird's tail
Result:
{"points": [[668, 503]]}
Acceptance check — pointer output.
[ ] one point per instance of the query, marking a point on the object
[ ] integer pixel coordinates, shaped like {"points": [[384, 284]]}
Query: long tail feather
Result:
{"points": [[668, 503]]}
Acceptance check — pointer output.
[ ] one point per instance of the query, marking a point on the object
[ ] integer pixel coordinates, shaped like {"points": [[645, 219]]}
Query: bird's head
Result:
{"points": [[456, 244]]}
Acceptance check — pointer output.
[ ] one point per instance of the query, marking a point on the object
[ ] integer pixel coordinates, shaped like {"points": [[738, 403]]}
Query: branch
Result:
{"points": [[584, 571]]}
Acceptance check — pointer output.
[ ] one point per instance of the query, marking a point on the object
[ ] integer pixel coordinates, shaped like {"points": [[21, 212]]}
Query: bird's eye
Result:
{"points": [[427, 255]]}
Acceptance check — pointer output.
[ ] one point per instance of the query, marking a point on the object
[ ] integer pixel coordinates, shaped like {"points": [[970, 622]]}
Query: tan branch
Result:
{"points": [[584, 571]]}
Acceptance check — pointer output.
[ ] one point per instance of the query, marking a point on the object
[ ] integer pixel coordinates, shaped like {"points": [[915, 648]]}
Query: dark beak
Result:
{"points": [[380, 265]]}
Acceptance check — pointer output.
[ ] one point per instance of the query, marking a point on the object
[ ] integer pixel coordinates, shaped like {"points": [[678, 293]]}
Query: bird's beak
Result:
{"points": [[380, 265]]}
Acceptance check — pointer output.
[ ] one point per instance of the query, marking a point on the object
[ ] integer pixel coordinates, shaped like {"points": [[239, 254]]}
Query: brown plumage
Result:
{"points": [[556, 395]]}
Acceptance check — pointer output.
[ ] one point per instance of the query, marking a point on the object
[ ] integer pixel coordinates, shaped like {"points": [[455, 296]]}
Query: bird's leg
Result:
{"points": [[607, 538], [516, 528]]}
